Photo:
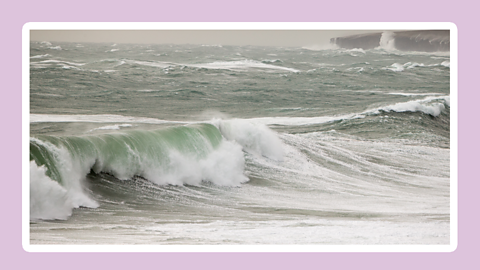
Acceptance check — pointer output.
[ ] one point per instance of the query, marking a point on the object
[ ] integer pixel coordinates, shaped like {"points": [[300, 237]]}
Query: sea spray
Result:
{"points": [[348, 158], [254, 137], [48, 199], [430, 105], [387, 41], [63, 166], [176, 156]]}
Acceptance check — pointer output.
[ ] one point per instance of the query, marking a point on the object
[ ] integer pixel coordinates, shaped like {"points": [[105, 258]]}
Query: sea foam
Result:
{"points": [[48, 199], [241, 65], [255, 138], [175, 156]]}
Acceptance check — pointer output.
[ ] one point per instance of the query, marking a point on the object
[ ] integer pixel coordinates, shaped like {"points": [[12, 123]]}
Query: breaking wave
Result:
{"points": [[176, 156]]}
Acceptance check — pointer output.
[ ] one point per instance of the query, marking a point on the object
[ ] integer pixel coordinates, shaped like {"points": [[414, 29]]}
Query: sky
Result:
{"points": [[286, 38]]}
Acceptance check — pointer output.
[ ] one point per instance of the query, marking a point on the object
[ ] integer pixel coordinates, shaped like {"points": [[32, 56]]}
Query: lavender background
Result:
{"points": [[463, 13]]}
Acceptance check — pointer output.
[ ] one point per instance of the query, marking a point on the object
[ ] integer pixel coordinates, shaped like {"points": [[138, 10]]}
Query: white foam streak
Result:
{"points": [[99, 118], [113, 127], [40, 56], [399, 67], [62, 62], [239, 65], [242, 65], [148, 64], [415, 94]]}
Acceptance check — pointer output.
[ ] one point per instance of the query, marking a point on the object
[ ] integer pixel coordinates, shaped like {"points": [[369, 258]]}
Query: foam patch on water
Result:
{"points": [[396, 67], [157, 64], [415, 94], [242, 65], [63, 64], [40, 56], [272, 61], [46, 95], [113, 127], [411, 65], [399, 67]]}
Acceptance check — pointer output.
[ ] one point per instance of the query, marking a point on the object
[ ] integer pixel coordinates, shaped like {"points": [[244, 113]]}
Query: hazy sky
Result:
{"points": [[207, 37]]}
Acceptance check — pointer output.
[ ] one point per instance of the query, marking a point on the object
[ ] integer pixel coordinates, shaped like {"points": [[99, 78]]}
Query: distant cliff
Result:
{"points": [[419, 40]]}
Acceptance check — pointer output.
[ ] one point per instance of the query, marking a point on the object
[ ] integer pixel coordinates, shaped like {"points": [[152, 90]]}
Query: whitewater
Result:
{"points": [[235, 145]]}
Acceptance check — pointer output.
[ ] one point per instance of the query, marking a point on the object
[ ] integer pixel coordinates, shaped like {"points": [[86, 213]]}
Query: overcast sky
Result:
{"points": [[207, 37]]}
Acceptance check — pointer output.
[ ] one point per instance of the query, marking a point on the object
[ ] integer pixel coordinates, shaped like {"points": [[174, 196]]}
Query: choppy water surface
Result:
{"points": [[190, 144]]}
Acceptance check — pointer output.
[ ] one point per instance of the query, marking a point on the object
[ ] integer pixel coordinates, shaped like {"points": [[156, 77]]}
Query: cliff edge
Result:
{"points": [[418, 40]]}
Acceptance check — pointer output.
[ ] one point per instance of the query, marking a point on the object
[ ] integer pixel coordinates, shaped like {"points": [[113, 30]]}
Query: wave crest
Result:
{"points": [[254, 137], [177, 156]]}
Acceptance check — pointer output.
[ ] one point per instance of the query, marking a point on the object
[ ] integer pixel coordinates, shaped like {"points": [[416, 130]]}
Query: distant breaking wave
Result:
{"points": [[432, 105]]}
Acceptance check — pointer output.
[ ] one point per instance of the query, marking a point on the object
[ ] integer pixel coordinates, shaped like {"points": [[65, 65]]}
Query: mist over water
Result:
{"points": [[192, 144]]}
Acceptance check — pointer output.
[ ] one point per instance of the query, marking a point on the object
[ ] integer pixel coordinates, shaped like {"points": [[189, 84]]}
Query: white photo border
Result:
{"points": [[452, 246]]}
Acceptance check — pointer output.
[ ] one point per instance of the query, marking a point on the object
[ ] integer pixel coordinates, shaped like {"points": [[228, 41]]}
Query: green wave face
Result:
{"points": [[124, 155]]}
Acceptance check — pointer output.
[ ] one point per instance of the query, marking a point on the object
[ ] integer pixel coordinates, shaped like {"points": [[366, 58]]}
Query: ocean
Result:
{"points": [[238, 145]]}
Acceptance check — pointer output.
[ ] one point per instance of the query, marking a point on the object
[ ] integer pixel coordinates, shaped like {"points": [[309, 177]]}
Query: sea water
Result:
{"points": [[196, 144]]}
